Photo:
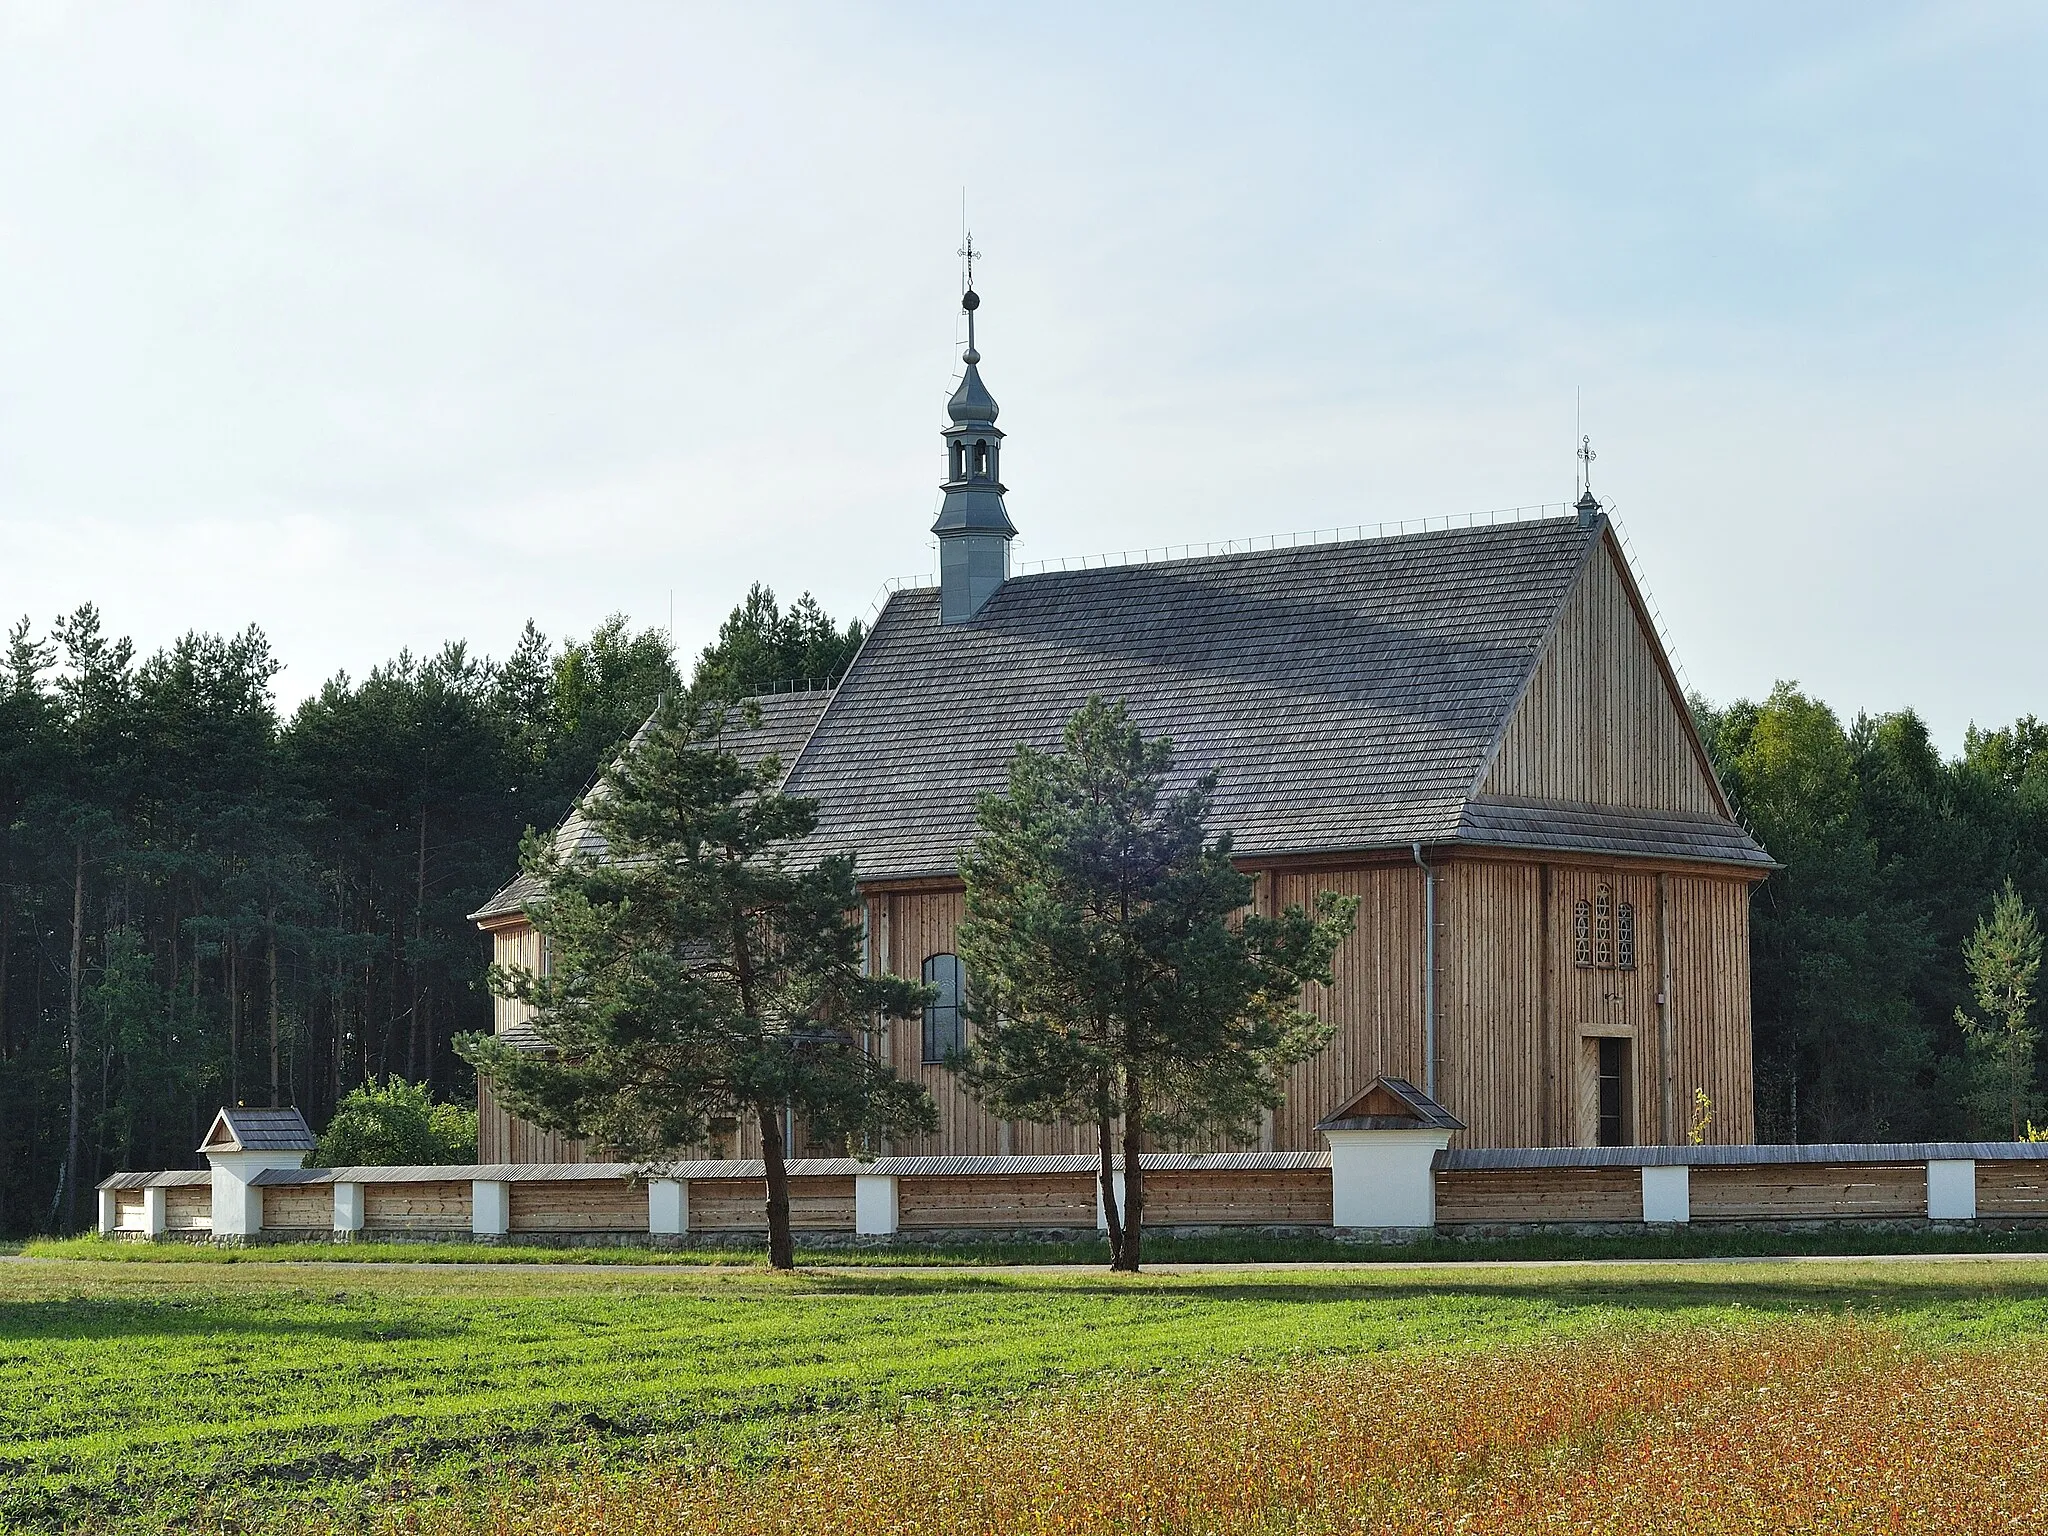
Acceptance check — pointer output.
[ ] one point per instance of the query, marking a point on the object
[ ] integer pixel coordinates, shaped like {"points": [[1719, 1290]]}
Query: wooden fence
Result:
{"points": [[1470, 1191]]}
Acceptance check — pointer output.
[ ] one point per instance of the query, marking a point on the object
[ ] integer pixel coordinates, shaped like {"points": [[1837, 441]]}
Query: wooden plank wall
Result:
{"points": [[2012, 1189], [128, 1210], [1510, 1057], [1376, 1001], [1019, 1201], [579, 1205], [298, 1207], [188, 1208], [1800, 1191], [515, 945], [1239, 1197], [1539, 1194], [1709, 920], [439, 1205], [1491, 1063], [1599, 722], [904, 928], [822, 1204], [502, 1137]]}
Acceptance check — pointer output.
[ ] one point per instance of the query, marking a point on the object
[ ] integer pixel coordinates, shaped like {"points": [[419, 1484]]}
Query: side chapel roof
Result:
{"points": [[786, 720]]}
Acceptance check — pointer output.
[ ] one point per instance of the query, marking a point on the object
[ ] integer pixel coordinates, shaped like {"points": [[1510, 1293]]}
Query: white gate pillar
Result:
{"points": [[668, 1207], [490, 1207], [348, 1207], [1667, 1192], [875, 1212], [1951, 1189]]}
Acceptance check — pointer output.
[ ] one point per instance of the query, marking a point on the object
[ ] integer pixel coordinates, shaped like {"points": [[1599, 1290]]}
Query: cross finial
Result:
{"points": [[967, 252], [1586, 457]]}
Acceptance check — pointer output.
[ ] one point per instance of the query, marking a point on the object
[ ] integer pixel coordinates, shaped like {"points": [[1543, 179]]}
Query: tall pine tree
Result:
{"points": [[697, 972], [1114, 975]]}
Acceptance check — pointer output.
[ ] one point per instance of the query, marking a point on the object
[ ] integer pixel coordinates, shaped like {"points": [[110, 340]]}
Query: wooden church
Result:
{"points": [[1475, 731]]}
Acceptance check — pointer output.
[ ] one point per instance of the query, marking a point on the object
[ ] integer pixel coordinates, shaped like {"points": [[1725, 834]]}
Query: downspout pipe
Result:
{"points": [[1428, 971]]}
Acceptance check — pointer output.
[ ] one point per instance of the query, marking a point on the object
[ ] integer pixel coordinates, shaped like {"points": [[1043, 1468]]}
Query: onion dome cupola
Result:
{"points": [[973, 526]]}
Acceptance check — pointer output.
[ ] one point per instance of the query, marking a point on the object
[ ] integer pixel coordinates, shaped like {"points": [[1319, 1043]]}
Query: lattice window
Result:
{"points": [[1582, 934], [945, 1026], [1603, 928], [1625, 936]]}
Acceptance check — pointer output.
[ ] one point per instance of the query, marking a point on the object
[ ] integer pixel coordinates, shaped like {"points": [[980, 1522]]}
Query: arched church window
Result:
{"points": [[959, 458], [1582, 934], [1603, 928], [1625, 936], [981, 458], [945, 1023]]}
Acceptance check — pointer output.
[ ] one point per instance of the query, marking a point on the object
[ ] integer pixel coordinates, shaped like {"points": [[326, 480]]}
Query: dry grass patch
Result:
{"points": [[1822, 1426]]}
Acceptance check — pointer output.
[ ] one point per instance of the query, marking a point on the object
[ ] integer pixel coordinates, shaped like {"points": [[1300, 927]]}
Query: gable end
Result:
{"points": [[1602, 720]]}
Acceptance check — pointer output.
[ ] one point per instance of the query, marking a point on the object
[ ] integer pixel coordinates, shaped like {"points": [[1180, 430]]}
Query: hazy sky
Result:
{"points": [[377, 326]]}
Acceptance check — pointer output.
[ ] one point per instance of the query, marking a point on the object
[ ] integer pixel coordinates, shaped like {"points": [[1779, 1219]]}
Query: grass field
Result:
{"points": [[245, 1397], [1701, 1242]]}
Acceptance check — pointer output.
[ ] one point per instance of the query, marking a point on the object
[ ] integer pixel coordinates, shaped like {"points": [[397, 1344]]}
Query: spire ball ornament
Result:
{"points": [[970, 301]]}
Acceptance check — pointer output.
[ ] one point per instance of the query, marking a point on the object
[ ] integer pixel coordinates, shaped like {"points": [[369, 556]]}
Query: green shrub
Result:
{"points": [[395, 1122]]}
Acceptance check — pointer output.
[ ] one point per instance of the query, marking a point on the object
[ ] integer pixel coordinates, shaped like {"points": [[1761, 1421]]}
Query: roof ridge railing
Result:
{"points": [[1346, 533], [1393, 528]]}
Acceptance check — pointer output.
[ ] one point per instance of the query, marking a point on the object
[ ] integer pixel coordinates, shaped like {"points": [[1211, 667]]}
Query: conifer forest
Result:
{"points": [[205, 900]]}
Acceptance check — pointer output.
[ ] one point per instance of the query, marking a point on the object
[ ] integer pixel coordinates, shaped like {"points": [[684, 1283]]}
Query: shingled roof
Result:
{"points": [[1347, 693], [785, 721]]}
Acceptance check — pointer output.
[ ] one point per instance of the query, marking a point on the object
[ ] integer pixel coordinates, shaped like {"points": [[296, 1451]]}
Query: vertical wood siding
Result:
{"points": [[1709, 921], [1490, 1052], [502, 1137], [1515, 1014], [1599, 723], [1376, 999], [516, 945]]}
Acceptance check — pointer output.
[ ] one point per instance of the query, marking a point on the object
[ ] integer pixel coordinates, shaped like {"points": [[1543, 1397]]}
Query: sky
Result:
{"points": [[377, 326]]}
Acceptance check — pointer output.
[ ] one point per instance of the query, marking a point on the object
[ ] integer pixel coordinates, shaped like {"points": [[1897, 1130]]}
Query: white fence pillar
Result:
{"points": [[1123, 1205], [1667, 1193], [1951, 1189], [490, 1207], [668, 1206], [1384, 1178], [348, 1207], [110, 1211], [874, 1205], [237, 1199], [156, 1211]]}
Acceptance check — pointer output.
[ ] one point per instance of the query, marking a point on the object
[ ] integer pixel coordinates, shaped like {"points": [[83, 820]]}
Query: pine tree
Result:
{"points": [[2004, 959], [1112, 973], [698, 973], [760, 648]]}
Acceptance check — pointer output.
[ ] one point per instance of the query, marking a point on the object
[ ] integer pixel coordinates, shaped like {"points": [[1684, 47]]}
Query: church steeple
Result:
{"points": [[973, 526]]}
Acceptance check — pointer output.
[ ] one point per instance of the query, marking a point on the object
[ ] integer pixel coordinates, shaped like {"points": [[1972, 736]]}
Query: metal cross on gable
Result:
{"points": [[1586, 457]]}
